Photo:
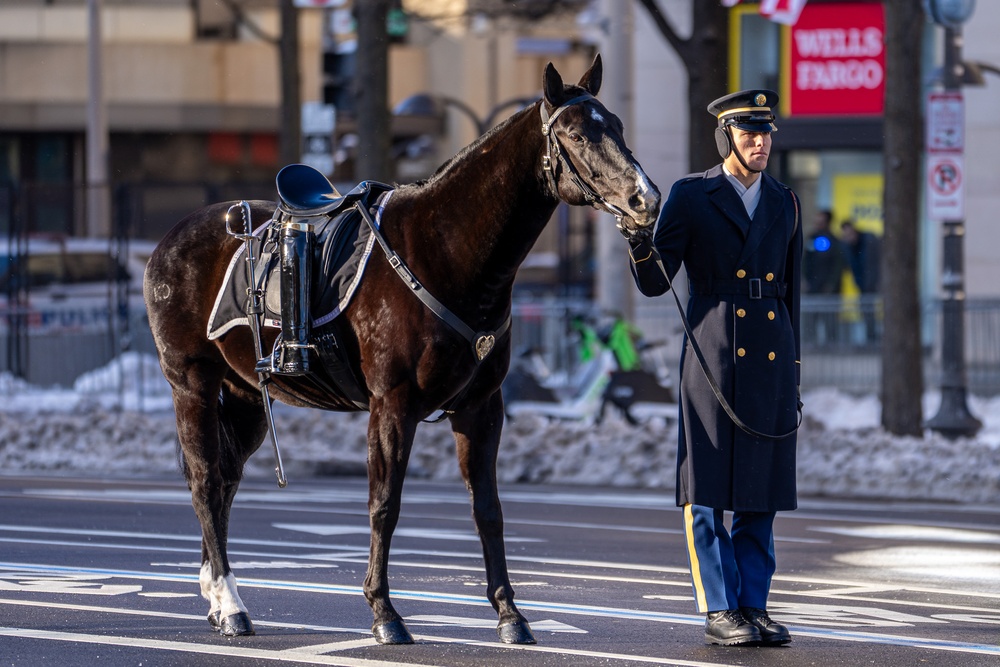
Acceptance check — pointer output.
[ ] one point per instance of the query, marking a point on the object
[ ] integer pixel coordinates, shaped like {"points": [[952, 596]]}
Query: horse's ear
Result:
{"points": [[552, 86], [591, 79]]}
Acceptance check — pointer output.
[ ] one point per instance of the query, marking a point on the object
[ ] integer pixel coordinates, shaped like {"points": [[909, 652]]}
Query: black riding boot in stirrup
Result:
{"points": [[291, 357]]}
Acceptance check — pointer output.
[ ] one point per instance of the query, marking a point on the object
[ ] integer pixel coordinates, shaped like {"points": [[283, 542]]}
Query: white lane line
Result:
{"points": [[354, 555], [557, 608], [333, 647], [337, 589], [196, 618], [327, 530], [205, 649], [255, 492], [310, 654], [671, 662], [898, 640]]}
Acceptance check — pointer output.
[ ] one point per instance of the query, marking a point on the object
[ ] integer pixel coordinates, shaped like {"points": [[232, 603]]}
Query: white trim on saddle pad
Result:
{"points": [[216, 330]]}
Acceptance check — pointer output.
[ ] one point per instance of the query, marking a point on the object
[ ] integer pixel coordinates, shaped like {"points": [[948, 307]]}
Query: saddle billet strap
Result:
{"points": [[482, 342]]}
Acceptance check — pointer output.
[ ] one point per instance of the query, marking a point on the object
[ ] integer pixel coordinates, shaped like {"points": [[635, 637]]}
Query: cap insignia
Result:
{"points": [[760, 99]]}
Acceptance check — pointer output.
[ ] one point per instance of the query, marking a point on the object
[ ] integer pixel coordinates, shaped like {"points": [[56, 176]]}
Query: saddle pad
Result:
{"points": [[343, 245]]}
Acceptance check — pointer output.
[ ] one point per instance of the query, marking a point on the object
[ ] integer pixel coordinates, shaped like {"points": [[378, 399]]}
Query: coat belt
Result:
{"points": [[754, 288]]}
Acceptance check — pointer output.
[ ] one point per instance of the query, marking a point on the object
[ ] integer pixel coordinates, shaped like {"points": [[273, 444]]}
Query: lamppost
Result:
{"points": [[98, 201], [953, 418]]}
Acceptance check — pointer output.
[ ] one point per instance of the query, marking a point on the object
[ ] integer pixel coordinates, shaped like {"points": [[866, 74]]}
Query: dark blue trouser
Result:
{"points": [[729, 569]]}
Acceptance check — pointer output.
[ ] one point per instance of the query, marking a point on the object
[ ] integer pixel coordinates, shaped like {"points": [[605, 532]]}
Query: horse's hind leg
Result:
{"points": [[477, 436], [212, 435], [390, 437]]}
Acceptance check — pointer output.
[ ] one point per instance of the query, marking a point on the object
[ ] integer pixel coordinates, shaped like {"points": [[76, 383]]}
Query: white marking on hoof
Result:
{"points": [[205, 580], [225, 595]]}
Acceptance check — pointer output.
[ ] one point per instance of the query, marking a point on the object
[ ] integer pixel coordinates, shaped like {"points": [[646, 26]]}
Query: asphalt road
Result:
{"points": [[96, 571]]}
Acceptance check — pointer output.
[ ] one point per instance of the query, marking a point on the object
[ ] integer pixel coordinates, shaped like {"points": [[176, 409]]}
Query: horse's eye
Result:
{"points": [[575, 137]]}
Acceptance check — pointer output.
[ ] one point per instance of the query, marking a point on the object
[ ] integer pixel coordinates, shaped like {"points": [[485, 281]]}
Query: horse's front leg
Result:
{"points": [[390, 437], [477, 436]]}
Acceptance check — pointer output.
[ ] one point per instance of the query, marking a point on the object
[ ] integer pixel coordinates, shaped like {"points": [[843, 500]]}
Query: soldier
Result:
{"points": [[737, 232]]}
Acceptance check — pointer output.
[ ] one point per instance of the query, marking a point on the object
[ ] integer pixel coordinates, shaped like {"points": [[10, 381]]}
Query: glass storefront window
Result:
{"points": [[757, 51]]}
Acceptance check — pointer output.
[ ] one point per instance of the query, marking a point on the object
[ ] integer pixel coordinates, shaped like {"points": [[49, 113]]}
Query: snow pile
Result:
{"points": [[118, 421]]}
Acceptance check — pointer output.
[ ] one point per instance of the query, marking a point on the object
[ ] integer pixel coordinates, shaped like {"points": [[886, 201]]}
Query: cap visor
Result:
{"points": [[756, 127]]}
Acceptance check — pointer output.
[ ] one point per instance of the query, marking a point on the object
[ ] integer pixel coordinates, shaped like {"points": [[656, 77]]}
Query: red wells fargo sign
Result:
{"points": [[836, 60]]}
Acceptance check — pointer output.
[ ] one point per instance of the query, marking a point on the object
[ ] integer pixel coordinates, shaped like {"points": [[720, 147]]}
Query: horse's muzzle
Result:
{"points": [[644, 208]]}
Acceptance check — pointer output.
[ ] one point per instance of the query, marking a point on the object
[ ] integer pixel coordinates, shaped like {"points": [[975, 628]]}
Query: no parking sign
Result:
{"points": [[945, 187]]}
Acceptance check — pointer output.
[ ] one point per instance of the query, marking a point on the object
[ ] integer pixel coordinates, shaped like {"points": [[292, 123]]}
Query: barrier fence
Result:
{"points": [[841, 342]]}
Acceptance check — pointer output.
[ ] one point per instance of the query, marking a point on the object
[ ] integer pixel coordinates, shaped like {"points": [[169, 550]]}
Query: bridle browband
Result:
{"points": [[552, 147]]}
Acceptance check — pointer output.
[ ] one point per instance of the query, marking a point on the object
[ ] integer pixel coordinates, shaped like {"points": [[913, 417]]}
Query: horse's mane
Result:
{"points": [[476, 144], [488, 136]]}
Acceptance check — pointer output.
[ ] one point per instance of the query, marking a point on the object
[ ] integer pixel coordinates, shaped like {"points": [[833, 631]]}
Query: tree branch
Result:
{"points": [[680, 46], [242, 19]]}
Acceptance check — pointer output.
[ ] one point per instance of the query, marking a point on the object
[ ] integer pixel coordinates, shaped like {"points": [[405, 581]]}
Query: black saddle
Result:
{"points": [[304, 191]]}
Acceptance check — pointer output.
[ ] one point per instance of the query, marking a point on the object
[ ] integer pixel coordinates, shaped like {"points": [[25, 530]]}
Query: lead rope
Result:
{"points": [[704, 364]]}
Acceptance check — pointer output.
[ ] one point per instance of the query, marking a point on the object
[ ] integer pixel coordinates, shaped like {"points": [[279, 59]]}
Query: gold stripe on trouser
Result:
{"points": [[699, 588]]}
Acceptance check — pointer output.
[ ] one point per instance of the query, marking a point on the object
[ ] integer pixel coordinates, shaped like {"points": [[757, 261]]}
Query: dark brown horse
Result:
{"points": [[463, 233]]}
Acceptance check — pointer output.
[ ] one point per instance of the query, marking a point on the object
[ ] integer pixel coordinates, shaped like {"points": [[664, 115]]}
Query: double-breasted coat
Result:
{"points": [[743, 309]]}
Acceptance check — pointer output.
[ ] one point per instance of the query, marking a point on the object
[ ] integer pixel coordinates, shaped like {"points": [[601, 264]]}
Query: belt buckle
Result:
{"points": [[755, 288]]}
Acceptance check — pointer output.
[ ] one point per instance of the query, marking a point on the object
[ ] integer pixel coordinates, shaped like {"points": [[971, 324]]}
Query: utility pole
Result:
{"points": [[953, 418], [902, 381], [371, 90], [290, 134], [98, 222], [614, 290]]}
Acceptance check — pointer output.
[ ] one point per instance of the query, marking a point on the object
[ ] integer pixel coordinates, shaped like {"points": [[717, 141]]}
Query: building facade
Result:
{"points": [[193, 89]]}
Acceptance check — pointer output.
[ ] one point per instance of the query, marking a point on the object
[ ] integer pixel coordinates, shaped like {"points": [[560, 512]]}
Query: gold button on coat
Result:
{"points": [[769, 277], [741, 352], [770, 314], [740, 312], [741, 274], [770, 356]]}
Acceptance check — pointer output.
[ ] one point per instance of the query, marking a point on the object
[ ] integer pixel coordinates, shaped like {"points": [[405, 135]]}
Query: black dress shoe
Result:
{"points": [[771, 633], [729, 628]]}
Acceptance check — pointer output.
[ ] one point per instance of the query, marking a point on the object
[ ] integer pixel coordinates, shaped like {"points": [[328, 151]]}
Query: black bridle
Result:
{"points": [[552, 147]]}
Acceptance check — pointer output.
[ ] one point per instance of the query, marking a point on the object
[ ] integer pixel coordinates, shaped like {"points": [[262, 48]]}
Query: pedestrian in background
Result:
{"points": [[823, 266], [736, 231], [861, 252], [823, 261]]}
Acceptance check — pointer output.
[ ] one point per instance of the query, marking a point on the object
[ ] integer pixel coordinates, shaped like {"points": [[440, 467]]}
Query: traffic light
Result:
{"points": [[338, 80]]}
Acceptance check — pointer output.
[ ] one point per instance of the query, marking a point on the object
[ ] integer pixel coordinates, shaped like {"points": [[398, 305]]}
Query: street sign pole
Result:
{"points": [[953, 419]]}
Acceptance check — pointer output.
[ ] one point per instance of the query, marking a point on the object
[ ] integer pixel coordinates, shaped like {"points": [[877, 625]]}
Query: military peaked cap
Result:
{"points": [[749, 110]]}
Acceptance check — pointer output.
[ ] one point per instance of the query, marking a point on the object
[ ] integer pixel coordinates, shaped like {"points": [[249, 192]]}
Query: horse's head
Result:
{"points": [[587, 159]]}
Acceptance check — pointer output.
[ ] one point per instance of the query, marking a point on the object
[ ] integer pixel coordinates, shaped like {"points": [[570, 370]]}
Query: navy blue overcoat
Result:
{"points": [[743, 278]]}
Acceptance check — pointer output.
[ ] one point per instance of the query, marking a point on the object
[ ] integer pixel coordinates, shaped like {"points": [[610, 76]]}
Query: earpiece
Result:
{"points": [[723, 142]]}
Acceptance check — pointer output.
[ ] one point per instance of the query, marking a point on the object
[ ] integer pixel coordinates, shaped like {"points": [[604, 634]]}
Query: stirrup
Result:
{"points": [[287, 359]]}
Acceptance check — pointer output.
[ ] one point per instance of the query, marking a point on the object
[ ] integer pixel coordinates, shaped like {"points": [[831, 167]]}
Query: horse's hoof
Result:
{"points": [[213, 619], [236, 625], [393, 632], [518, 632]]}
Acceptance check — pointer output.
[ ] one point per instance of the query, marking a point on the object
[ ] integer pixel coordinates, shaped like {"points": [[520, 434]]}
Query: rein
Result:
{"points": [[552, 147], [739, 423]]}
